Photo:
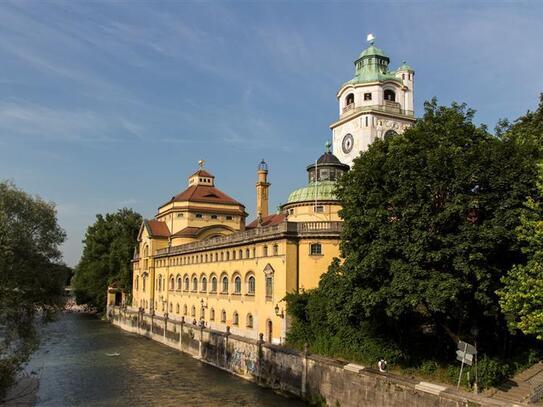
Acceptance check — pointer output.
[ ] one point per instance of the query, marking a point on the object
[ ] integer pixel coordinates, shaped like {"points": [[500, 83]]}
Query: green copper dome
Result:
{"points": [[372, 66], [405, 67], [320, 191], [373, 50]]}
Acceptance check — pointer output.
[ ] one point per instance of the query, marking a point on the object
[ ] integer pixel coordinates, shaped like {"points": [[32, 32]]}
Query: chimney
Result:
{"points": [[262, 186]]}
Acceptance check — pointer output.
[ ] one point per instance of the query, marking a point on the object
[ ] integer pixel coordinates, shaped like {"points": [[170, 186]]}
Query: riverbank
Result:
{"points": [[311, 377]]}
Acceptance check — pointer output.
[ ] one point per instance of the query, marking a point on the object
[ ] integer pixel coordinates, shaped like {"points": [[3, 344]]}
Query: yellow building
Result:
{"points": [[198, 260]]}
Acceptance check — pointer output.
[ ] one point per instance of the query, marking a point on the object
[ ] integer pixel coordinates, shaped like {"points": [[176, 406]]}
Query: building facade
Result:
{"points": [[199, 261]]}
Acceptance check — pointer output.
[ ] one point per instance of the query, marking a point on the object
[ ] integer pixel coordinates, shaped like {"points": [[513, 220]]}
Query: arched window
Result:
{"points": [[390, 95], [265, 251], [315, 249], [237, 285], [225, 285], [185, 309], [227, 255], [247, 253], [179, 285], [235, 319], [249, 321], [194, 283], [240, 254], [187, 283], [233, 255], [212, 314], [204, 285], [137, 283], [171, 307], [159, 284], [349, 100], [213, 284], [177, 309], [275, 250], [172, 282], [251, 285], [143, 280], [223, 316], [193, 311]]}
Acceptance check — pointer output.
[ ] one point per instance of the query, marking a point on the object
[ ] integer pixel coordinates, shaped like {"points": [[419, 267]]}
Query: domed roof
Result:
{"points": [[320, 191], [328, 158], [373, 51], [405, 67]]}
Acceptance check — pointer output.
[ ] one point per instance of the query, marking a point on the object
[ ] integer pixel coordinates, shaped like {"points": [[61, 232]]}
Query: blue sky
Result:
{"points": [[111, 104]]}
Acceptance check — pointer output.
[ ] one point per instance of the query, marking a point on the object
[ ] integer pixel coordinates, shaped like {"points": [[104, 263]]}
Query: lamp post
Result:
{"points": [[279, 314], [475, 332]]}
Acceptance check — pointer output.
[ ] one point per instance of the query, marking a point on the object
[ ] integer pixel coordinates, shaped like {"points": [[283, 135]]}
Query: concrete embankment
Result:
{"points": [[308, 376]]}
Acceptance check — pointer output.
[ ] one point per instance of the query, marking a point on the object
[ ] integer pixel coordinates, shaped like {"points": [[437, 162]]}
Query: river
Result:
{"points": [[74, 369]]}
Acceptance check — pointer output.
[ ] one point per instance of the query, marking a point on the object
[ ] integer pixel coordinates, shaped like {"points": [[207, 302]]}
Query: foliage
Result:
{"points": [[522, 295], [108, 249], [428, 232], [31, 275]]}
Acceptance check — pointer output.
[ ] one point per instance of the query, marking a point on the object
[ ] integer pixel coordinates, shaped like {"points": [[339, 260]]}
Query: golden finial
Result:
{"points": [[201, 164]]}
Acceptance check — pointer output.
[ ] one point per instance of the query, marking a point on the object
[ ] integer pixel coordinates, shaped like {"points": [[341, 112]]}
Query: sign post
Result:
{"points": [[465, 354]]}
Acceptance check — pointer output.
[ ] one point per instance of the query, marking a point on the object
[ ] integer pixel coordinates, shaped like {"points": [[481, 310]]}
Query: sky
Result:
{"points": [[111, 104]]}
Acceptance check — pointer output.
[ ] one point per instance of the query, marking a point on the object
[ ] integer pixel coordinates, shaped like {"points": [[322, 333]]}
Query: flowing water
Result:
{"points": [[74, 369]]}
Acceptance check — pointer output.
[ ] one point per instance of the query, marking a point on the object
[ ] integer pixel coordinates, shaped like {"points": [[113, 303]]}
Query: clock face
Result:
{"points": [[347, 143]]}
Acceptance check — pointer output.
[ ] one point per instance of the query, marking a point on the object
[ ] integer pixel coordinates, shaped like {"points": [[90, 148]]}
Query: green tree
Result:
{"points": [[429, 220], [31, 275], [522, 295], [108, 249]]}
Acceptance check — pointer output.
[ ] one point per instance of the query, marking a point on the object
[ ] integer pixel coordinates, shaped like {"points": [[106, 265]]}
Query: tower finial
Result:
{"points": [[370, 38], [201, 163], [327, 145]]}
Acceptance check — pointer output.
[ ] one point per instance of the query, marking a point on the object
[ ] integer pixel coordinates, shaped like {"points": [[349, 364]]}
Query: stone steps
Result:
{"points": [[518, 389]]}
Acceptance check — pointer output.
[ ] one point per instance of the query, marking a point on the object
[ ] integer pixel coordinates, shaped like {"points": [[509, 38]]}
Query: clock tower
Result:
{"points": [[376, 103]]}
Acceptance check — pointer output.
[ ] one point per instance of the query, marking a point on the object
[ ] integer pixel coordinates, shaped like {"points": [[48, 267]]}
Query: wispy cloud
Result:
{"points": [[44, 123]]}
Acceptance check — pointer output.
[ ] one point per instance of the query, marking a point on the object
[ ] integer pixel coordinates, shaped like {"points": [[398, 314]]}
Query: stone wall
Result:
{"points": [[311, 377]]}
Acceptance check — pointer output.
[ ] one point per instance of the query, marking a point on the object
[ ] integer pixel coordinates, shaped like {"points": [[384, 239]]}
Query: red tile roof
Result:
{"points": [[203, 173], [204, 193], [189, 231], [157, 228], [270, 220]]}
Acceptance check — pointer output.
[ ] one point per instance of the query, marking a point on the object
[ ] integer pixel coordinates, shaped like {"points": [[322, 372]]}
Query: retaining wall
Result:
{"points": [[311, 377]]}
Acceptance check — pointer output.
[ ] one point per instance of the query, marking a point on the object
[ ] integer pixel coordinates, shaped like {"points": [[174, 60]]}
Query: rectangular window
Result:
{"points": [[213, 216], [315, 249], [318, 209], [366, 121], [229, 217], [367, 96], [269, 287], [199, 216]]}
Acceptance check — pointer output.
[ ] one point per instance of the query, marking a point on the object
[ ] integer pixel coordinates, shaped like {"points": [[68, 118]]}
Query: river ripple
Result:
{"points": [[74, 370]]}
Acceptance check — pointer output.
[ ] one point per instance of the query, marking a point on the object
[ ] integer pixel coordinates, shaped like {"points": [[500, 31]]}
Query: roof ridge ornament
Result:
{"points": [[327, 145], [201, 164], [370, 38]]}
